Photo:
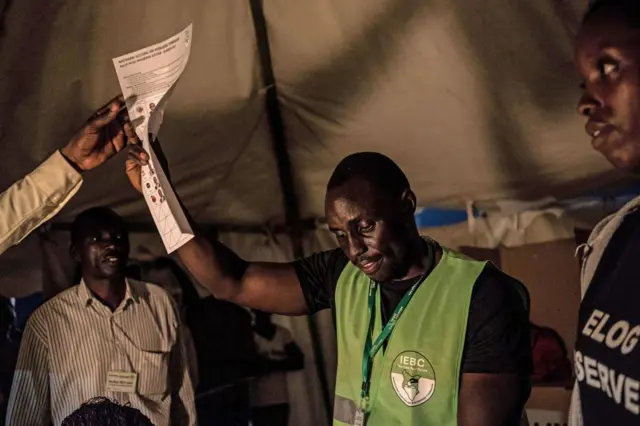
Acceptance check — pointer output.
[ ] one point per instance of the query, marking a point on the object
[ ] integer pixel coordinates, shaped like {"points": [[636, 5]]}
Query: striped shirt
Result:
{"points": [[73, 341]]}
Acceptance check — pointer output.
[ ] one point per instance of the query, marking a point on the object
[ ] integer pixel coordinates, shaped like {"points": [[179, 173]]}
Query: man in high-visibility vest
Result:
{"points": [[425, 336]]}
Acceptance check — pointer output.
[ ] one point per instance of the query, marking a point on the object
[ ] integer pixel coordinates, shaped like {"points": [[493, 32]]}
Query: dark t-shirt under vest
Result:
{"points": [[497, 338]]}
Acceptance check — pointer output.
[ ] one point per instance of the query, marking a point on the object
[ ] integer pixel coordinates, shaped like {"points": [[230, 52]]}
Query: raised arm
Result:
{"points": [[268, 287], [36, 198], [40, 195]]}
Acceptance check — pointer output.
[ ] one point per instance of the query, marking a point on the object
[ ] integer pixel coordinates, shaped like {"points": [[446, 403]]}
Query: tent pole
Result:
{"points": [[285, 174]]}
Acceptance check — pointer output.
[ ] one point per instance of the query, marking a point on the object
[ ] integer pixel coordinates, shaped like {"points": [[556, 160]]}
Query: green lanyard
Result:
{"points": [[370, 350]]}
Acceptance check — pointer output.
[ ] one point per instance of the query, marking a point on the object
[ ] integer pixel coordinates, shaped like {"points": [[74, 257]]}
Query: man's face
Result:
{"points": [[608, 60], [371, 229], [103, 251]]}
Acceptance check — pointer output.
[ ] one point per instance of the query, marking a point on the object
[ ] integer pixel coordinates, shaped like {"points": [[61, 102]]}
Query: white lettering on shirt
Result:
{"points": [[621, 389], [616, 385], [579, 368], [590, 366], [603, 371], [594, 319], [631, 341], [597, 335], [618, 335], [631, 388]]}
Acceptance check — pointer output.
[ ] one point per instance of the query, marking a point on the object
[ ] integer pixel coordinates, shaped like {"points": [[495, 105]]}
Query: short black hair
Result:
{"points": [[374, 168], [88, 218], [104, 412], [630, 9]]}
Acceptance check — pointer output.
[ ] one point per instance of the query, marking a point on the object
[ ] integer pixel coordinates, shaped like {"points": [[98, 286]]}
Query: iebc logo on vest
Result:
{"points": [[413, 378], [621, 338]]}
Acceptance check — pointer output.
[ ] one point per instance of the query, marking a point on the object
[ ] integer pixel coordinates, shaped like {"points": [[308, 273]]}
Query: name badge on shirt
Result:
{"points": [[120, 381]]}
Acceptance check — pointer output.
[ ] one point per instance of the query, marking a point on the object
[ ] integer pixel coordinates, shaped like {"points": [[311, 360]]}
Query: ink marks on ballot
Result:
{"points": [[616, 341], [152, 186], [147, 79]]}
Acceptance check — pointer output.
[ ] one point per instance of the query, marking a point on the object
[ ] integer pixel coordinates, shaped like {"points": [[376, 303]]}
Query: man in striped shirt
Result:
{"points": [[108, 336]]}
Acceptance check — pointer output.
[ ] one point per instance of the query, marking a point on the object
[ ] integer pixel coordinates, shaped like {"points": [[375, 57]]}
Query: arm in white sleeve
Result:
{"points": [[36, 198]]}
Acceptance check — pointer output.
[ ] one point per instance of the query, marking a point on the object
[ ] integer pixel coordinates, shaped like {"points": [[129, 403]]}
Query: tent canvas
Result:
{"points": [[474, 100]]}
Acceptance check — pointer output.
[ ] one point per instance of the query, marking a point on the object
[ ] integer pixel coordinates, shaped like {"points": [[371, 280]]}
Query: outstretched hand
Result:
{"points": [[105, 134], [135, 160]]}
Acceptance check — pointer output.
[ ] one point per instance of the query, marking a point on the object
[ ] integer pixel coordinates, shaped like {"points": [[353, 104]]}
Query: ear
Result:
{"points": [[409, 201]]}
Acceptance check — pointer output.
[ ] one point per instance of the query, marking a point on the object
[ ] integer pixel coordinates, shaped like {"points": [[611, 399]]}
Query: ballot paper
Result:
{"points": [[147, 78]]}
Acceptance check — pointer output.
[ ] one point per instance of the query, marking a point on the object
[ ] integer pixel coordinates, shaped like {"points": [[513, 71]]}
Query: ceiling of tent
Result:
{"points": [[474, 100]]}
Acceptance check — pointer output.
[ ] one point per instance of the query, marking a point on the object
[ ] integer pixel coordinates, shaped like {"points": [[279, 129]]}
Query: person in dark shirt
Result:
{"points": [[607, 357], [370, 208]]}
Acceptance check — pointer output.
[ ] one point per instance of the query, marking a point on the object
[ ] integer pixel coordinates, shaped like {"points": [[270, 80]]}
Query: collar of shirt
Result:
{"points": [[130, 296]]}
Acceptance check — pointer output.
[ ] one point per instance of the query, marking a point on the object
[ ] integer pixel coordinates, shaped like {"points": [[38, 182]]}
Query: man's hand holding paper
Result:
{"points": [[136, 159], [104, 135]]}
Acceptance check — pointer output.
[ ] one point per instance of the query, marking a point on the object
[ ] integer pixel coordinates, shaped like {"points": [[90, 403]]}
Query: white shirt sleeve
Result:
{"points": [[36, 198]]}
